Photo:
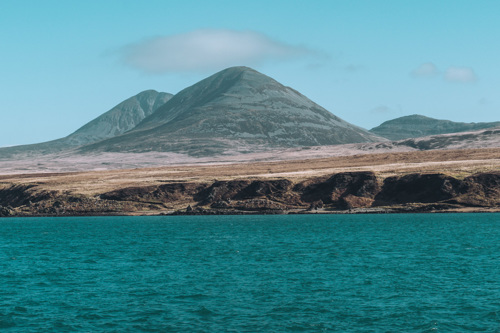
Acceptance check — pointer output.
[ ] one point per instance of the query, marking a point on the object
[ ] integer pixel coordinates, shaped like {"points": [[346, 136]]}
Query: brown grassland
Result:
{"points": [[286, 186], [456, 163]]}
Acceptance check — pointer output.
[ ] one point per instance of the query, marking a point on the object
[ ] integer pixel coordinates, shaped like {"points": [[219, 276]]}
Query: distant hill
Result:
{"points": [[116, 121], [120, 119], [237, 109], [417, 126], [485, 138]]}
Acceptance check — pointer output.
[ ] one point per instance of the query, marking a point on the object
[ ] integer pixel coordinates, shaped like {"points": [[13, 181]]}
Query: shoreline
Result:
{"points": [[422, 182], [366, 211]]}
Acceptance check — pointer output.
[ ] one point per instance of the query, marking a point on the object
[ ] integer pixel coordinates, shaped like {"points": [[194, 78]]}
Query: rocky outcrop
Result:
{"points": [[419, 188], [343, 190], [221, 191], [481, 189], [6, 211], [346, 191], [250, 195], [22, 195], [156, 194]]}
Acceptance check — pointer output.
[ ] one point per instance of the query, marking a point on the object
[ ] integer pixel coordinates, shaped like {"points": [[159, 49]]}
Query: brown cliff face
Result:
{"points": [[418, 188], [221, 191], [254, 196], [482, 189], [343, 190], [155, 194], [22, 195], [354, 191]]}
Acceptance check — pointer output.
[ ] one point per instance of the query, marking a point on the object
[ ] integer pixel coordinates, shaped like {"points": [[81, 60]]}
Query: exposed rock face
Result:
{"points": [[275, 189], [339, 192], [20, 195], [343, 190], [236, 109], [482, 189], [240, 194], [419, 188], [221, 191], [416, 126], [156, 194], [6, 211]]}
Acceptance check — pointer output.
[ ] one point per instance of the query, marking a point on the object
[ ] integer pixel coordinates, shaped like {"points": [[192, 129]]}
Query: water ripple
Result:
{"points": [[363, 273]]}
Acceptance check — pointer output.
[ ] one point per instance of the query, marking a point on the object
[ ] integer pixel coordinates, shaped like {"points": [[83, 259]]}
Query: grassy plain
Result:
{"points": [[457, 163]]}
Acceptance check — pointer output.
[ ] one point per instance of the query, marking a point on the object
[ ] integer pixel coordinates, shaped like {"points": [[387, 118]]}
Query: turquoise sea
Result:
{"points": [[286, 273]]}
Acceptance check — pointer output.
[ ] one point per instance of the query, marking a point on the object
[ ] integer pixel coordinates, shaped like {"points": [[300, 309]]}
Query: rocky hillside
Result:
{"points": [[417, 126], [346, 191], [237, 109], [123, 117], [120, 119]]}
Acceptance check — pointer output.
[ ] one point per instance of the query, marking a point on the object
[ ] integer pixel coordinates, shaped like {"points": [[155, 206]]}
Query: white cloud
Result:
{"points": [[205, 49], [427, 69], [460, 74], [452, 74]]}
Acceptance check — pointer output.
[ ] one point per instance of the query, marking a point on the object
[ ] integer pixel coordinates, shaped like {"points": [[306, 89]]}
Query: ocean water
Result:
{"points": [[296, 273]]}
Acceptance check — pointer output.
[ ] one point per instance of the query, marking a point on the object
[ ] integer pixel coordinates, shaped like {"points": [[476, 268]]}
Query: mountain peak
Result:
{"points": [[233, 110], [238, 75], [231, 84], [239, 69]]}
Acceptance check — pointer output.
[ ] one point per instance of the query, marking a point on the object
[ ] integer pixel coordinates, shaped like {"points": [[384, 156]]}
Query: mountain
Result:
{"points": [[237, 109], [116, 121], [416, 126], [120, 119]]}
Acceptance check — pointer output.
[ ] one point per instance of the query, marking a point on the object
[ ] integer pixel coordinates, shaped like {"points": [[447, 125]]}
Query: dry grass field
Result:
{"points": [[456, 163]]}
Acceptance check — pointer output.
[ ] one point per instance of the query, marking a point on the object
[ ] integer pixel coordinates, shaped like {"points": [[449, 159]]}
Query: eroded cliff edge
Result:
{"points": [[354, 192]]}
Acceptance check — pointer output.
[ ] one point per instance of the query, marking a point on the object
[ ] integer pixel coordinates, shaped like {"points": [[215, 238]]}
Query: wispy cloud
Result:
{"points": [[207, 49], [452, 74], [460, 74], [427, 69]]}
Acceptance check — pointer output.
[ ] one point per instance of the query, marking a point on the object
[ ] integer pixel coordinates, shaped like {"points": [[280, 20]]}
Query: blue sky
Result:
{"points": [[63, 63]]}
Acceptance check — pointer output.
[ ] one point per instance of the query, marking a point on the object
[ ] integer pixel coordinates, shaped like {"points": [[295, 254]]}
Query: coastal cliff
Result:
{"points": [[354, 192]]}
